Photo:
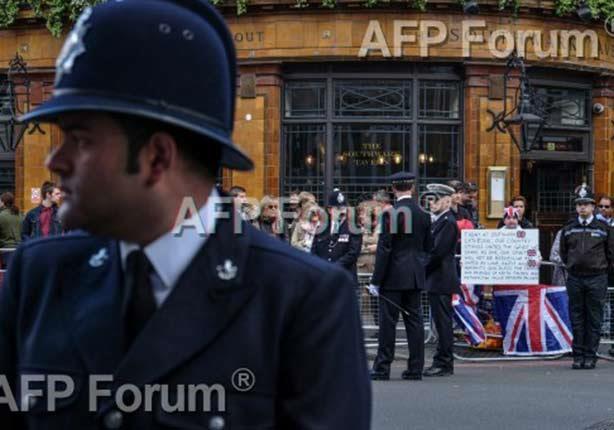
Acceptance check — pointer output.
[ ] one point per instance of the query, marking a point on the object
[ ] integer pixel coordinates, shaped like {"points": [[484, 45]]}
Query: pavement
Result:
{"points": [[519, 395]]}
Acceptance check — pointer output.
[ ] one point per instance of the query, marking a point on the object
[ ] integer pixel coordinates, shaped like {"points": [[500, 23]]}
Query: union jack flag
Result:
{"points": [[465, 306], [534, 319]]}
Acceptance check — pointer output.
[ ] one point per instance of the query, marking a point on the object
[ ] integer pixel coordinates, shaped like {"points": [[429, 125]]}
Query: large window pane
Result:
{"points": [[381, 98], [363, 149], [305, 151], [562, 106], [305, 99], [365, 155], [439, 99], [439, 157]]}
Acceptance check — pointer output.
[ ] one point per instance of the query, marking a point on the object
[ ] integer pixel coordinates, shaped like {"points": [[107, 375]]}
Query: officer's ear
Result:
{"points": [[157, 156]]}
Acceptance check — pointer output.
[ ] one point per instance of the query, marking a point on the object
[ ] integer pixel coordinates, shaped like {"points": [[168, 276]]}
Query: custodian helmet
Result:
{"points": [[171, 61]]}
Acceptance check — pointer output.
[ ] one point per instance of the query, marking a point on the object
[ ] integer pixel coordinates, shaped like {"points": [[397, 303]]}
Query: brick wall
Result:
{"points": [[603, 136]]}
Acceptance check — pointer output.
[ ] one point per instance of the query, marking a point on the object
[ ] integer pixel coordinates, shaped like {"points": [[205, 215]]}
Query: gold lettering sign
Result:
{"points": [[370, 154]]}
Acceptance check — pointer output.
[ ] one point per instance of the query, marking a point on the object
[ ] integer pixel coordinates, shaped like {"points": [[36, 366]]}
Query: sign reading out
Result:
{"points": [[500, 257]]}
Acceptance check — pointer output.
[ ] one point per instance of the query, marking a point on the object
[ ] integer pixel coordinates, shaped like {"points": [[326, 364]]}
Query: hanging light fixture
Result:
{"points": [[521, 121], [14, 98]]}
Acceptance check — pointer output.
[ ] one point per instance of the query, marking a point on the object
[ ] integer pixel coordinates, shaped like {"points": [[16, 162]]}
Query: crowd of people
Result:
{"points": [[351, 236]]}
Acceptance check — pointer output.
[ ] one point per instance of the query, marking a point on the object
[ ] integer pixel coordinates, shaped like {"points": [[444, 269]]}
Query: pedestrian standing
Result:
{"points": [[457, 207], [10, 226], [469, 200], [399, 277], [442, 277], [559, 273], [519, 203], [270, 220], [137, 298], [369, 213], [306, 227], [510, 220], [605, 214], [241, 204], [605, 210], [336, 242], [43, 220], [587, 247]]}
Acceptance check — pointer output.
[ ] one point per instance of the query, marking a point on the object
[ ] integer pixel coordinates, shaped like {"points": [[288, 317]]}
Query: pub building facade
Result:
{"points": [[345, 96]]}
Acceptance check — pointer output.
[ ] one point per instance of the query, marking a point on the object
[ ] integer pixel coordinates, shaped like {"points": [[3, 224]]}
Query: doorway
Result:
{"points": [[548, 187]]}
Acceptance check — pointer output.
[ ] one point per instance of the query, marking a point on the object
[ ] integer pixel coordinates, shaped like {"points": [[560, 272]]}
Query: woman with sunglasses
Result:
{"points": [[270, 220]]}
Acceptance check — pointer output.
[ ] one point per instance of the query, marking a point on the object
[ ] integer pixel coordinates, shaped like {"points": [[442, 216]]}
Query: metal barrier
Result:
{"points": [[607, 328], [369, 311]]}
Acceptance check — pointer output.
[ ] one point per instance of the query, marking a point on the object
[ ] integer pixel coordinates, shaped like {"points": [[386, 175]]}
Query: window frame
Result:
{"points": [[586, 154], [412, 72]]}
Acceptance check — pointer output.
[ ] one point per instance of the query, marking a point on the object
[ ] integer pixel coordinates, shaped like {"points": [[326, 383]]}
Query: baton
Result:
{"points": [[391, 302]]}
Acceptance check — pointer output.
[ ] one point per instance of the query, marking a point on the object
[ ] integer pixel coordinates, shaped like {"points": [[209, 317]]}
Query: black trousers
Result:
{"points": [[374, 304], [586, 299], [442, 313], [414, 327]]}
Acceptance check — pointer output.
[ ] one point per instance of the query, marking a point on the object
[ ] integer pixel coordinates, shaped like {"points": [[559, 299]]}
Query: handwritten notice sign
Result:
{"points": [[500, 257]]}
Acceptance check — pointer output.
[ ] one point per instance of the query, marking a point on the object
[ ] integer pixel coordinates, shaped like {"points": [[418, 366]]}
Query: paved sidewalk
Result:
{"points": [[523, 395]]}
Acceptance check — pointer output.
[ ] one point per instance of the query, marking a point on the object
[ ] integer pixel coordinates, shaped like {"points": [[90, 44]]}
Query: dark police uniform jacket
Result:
{"points": [[441, 274], [401, 255], [587, 250], [342, 247], [289, 318]]}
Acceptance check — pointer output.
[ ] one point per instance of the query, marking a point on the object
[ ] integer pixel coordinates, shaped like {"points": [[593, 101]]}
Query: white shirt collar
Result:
{"points": [[436, 217], [169, 254], [403, 197], [588, 220]]}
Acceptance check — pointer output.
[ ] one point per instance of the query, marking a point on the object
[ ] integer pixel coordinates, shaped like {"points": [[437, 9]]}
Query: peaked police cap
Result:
{"points": [[402, 177], [171, 61]]}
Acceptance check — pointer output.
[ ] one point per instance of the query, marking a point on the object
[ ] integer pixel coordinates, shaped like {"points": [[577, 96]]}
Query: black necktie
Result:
{"points": [[141, 304], [584, 223]]}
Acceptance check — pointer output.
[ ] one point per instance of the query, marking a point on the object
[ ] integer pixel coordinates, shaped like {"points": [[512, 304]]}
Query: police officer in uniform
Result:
{"points": [[336, 242], [399, 277], [587, 247], [144, 95], [441, 276]]}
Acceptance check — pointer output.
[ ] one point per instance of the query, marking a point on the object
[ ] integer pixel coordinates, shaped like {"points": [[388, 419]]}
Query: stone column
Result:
{"points": [[603, 136], [257, 131], [486, 146]]}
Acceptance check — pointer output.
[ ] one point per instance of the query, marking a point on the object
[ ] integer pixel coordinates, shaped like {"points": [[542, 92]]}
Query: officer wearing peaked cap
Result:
{"points": [[399, 277], [587, 247], [337, 242], [441, 277], [141, 296]]}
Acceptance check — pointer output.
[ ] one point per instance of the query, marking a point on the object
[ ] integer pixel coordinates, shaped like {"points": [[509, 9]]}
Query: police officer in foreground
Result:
{"points": [[336, 242], [441, 277], [142, 297], [587, 247], [399, 277]]}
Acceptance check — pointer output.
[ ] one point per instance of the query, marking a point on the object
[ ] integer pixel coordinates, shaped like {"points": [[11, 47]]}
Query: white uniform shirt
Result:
{"points": [[170, 255]]}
